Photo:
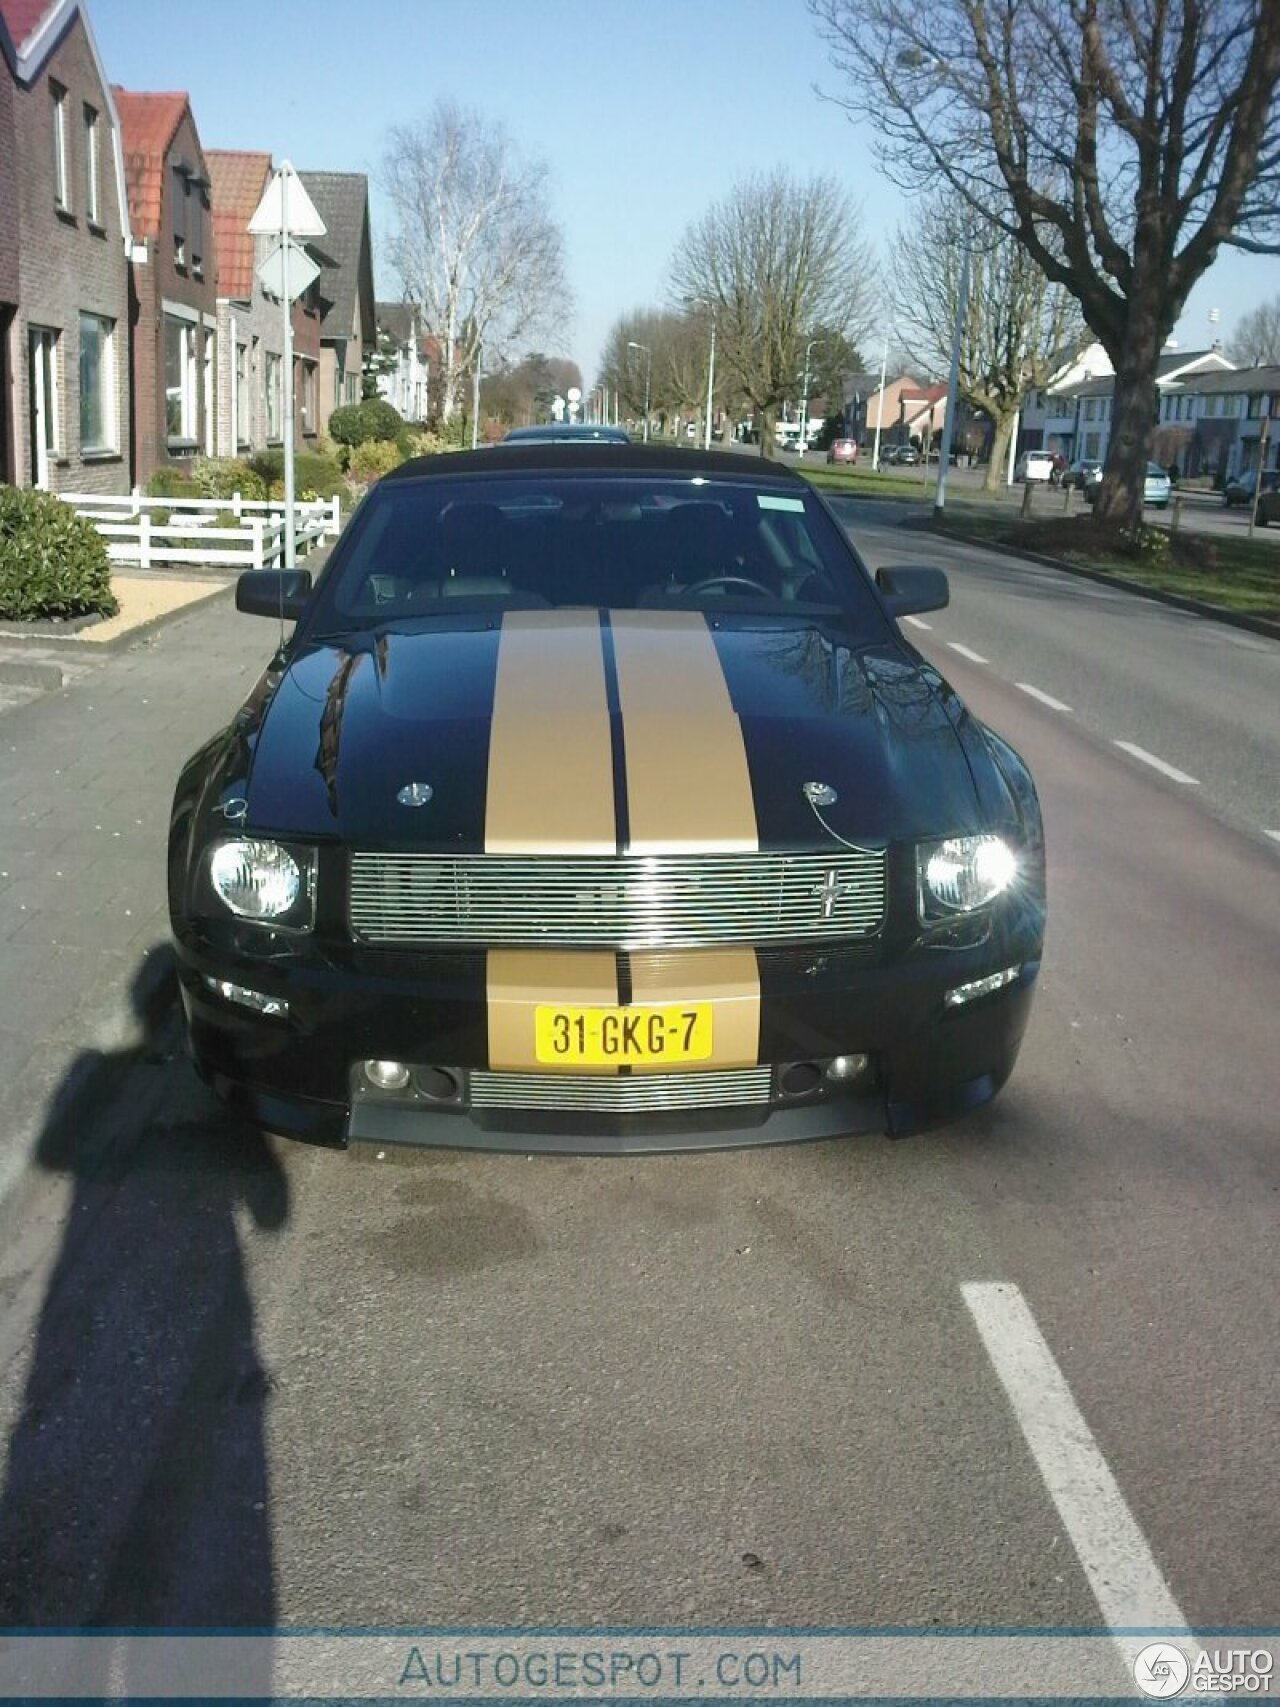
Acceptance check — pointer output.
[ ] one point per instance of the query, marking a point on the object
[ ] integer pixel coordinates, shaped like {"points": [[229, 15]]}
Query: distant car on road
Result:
{"points": [[905, 456], [843, 450], [567, 433], [1157, 488], [1034, 465], [1242, 488], [1085, 471]]}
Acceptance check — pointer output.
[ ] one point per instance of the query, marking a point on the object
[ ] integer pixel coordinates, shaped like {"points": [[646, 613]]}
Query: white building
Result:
{"points": [[403, 383]]}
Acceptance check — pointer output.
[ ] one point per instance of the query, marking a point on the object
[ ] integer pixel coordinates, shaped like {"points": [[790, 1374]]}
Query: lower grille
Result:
{"points": [[642, 1093]]}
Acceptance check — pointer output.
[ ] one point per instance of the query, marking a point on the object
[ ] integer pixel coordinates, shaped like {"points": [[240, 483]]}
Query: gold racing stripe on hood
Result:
{"points": [[728, 978], [550, 786], [688, 786], [518, 979]]}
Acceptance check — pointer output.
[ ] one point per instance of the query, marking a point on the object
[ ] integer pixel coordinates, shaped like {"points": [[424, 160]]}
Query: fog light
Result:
{"points": [[846, 1066], [980, 987], [386, 1075], [438, 1083], [275, 1007], [801, 1079]]}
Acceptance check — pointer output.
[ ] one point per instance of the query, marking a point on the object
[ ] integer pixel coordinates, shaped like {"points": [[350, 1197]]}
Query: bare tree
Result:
{"points": [[1256, 339], [1018, 328], [1121, 142], [472, 239], [773, 260]]}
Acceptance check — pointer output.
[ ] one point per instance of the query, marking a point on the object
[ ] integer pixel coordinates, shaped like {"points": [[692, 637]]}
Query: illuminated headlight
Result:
{"points": [[265, 881], [962, 873]]}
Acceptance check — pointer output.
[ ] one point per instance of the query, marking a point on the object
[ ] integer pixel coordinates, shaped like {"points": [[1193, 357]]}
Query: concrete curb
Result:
{"points": [[87, 649], [1195, 607], [30, 673]]}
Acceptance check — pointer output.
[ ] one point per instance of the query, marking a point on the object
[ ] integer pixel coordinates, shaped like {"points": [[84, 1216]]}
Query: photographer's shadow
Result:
{"points": [[136, 1492]]}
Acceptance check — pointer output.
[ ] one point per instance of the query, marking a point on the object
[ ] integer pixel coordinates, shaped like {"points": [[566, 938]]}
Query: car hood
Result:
{"points": [[580, 732]]}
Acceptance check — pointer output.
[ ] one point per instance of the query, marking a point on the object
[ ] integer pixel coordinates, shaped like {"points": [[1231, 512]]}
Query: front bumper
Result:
{"points": [[300, 1074]]}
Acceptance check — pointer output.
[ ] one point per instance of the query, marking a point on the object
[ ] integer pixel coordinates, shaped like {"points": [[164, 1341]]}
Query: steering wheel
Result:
{"points": [[728, 581]]}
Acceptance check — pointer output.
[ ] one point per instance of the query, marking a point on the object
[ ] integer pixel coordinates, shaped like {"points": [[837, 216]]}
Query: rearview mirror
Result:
{"points": [[907, 592], [274, 592]]}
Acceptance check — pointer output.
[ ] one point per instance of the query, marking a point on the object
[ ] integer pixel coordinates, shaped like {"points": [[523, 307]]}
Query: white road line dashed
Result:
{"points": [[1043, 697], [1127, 1583], [964, 651], [1171, 771], [916, 622], [1274, 834]]}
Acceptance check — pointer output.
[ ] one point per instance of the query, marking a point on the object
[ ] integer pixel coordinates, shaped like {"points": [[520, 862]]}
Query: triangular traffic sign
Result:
{"points": [[286, 206]]}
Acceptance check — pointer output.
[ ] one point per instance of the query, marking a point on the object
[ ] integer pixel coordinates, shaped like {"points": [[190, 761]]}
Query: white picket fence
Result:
{"points": [[191, 534]]}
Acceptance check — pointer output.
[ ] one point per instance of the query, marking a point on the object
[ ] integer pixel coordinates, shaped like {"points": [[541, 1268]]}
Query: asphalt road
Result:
{"points": [[243, 1382]]}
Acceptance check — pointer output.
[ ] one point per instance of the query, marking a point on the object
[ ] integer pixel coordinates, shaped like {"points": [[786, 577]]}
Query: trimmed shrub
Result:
{"points": [[346, 425], [224, 476], [381, 420], [369, 462], [171, 483], [53, 563], [319, 475]]}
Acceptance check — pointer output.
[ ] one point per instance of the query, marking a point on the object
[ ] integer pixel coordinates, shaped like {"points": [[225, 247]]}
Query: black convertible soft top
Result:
{"points": [[529, 458]]}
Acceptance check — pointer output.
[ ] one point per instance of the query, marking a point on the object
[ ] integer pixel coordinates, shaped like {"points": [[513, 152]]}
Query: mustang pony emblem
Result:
{"points": [[831, 890]]}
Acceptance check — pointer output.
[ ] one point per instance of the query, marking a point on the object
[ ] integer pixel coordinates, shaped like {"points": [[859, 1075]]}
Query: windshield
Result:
{"points": [[433, 547]]}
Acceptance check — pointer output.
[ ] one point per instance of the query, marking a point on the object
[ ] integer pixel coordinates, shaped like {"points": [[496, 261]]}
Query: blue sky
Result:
{"points": [[645, 111]]}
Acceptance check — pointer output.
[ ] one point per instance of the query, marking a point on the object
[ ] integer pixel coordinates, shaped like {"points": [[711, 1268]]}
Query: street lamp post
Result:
{"points": [[711, 380], [648, 372], [804, 400], [884, 369], [475, 400]]}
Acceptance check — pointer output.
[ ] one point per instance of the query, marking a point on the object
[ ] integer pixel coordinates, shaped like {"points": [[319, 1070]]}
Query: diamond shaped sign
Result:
{"points": [[303, 272]]}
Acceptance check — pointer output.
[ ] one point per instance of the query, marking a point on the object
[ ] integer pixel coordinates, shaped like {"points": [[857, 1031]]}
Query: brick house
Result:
{"points": [[64, 243], [173, 307], [250, 333], [348, 324]]}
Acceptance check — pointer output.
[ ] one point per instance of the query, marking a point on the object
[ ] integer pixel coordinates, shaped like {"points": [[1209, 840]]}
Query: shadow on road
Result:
{"points": [[136, 1491]]}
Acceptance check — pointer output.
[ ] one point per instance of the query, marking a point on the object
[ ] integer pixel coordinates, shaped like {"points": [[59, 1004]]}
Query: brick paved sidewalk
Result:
{"points": [[86, 776]]}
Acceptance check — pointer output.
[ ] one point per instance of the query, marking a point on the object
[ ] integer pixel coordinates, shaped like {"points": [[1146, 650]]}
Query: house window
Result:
{"points": [[195, 229], [243, 395], [97, 385], [179, 381], [44, 424], [1089, 409], [353, 388], [210, 392], [275, 396], [308, 398], [178, 183], [61, 164], [92, 203]]}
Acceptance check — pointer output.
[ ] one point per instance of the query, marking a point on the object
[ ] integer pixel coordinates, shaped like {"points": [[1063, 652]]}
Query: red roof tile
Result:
{"points": [[21, 17], [147, 124], [237, 179]]}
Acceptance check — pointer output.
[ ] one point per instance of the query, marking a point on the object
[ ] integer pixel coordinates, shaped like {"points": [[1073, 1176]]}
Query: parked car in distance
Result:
{"points": [[1085, 471], [1034, 465], [843, 450], [904, 456], [1157, 488], [1269, 506], [1242, 488]]}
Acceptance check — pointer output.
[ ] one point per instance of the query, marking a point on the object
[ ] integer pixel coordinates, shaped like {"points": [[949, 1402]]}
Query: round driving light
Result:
{"points": [[965, 872], [846, 1066], [257, 880], [438, 1083], [386, 1075]]}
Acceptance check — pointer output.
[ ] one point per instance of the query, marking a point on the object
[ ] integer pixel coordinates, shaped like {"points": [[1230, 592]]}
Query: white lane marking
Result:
{"points": [[1274, 834], [1127, 1583], [964, 651], [1171, 771], [916, 622], [1043, 697]]}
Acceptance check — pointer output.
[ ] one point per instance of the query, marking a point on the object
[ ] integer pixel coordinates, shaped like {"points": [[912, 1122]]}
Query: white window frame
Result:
{"points": [[92, 167], [242, 397], [188, 382], [210, 375], [273, 390], [61, 149], [110, 442], [44, 405]]}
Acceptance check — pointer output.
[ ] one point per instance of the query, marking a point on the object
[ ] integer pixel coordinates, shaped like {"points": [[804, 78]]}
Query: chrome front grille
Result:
{"points": [[642, 1093], [623, 902]]}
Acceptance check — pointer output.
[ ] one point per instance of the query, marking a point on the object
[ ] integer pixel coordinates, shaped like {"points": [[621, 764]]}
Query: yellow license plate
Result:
{"points": [[623, 1037]]}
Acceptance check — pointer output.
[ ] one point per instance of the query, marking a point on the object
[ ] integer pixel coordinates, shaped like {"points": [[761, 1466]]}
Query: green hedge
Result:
{"points": [[223, 477], [319, 475], [358, 423], [53, 563], [171, 483]]}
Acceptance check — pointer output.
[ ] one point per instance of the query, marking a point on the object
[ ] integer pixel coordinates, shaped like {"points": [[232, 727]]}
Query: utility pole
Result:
{"points": [[884, 368], [475, 400], [648, 372], [711, 380], [804, 401]]}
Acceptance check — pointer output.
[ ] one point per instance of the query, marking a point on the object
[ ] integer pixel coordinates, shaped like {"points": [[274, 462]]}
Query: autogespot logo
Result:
{"points": [[1161, 1669]]}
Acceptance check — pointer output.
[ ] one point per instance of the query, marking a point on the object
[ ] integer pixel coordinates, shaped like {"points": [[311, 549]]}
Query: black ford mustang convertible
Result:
{"points": [[596, 802]]}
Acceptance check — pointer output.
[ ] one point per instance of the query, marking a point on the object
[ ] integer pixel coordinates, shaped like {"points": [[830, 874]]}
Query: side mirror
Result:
{"points": [[274, 592], [907, 592]]}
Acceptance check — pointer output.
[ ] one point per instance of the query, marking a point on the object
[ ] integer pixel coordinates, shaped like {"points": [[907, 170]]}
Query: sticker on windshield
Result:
{"points": [[767, 502]]}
